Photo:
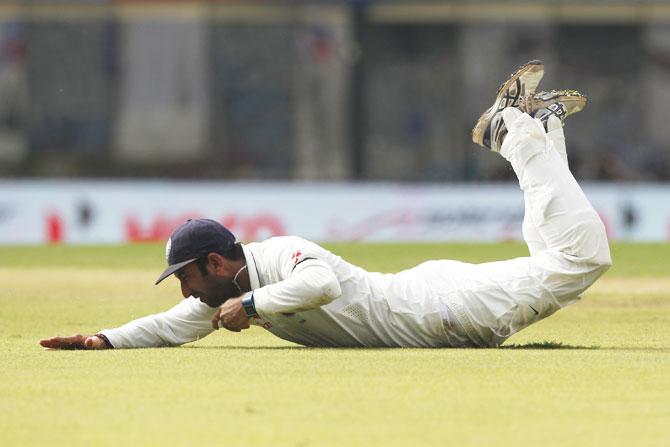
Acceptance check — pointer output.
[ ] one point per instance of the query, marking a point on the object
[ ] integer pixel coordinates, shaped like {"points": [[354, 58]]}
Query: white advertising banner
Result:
{"points": [[93, 212]]}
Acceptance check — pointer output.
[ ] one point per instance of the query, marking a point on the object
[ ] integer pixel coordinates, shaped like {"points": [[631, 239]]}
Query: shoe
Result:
{"points": [[559, 103], [490, 128]]}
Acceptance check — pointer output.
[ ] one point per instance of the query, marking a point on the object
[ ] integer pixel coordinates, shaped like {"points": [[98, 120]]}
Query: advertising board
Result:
{"points": [[110, 212]]}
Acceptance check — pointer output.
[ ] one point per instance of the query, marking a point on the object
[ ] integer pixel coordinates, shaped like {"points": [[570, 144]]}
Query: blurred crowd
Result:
{"points": [[339, 90]]}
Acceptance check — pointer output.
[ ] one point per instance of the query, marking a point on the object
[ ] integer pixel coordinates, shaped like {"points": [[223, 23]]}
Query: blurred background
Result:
{"points": [[366, 101]]}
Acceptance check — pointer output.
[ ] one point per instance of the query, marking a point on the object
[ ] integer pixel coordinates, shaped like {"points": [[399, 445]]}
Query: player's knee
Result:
{"points": [[590, 247], [569, 272]]}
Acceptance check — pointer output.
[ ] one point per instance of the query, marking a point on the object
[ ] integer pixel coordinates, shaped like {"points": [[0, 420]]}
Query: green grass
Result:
{"points": [[596, 373]]}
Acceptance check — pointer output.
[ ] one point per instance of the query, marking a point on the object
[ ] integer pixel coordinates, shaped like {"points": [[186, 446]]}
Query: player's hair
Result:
{"points": [[234, 253]]}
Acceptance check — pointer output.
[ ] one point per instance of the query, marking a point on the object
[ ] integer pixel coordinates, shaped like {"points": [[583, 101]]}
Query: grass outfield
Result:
{"points": [[596, 373]]}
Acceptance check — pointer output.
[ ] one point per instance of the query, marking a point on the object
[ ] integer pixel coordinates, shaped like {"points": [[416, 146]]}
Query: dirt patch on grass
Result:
{"points": [[636, 285], [629, 292]]}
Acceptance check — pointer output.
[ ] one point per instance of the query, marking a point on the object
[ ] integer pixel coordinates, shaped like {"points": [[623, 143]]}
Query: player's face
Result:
{"points": [[211, 289]]}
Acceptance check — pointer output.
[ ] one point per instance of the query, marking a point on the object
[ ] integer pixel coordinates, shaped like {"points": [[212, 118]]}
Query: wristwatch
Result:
{"points": [[105, 340], [249, 306]]}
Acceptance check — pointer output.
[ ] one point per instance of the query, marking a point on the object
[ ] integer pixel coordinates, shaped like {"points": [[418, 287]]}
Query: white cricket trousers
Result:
{"points": [[487, 303]]}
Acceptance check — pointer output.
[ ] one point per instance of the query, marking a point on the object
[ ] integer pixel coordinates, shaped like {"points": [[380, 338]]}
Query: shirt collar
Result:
{"points": [[254, 280]]}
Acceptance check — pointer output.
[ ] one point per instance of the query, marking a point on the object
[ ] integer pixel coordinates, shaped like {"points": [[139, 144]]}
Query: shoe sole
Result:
{"points": [[534, 67], [572, 100]]}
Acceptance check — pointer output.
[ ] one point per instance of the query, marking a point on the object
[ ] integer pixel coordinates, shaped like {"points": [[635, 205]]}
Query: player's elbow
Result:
{"points": [[322, 281], [326, 285], [331, 288]]}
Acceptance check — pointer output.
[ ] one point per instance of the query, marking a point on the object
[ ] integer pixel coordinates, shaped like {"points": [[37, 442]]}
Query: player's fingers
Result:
{"points": [[238, 324], [48, 342], [216, 320], [53, 342], [229, 325], [71, 342], [63, 342]]}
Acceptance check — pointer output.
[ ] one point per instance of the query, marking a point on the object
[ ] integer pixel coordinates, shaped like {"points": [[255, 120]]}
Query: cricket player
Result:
{"points": [[303, 293]]}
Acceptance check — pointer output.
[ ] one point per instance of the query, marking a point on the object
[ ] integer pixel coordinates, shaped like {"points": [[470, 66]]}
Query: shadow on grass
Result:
{"points": [[543, 346], [538, 346], [251, 348], [293, 348], [548, 345]]}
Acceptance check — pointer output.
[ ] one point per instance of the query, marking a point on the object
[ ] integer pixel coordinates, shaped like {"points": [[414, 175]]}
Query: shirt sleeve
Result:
{"points": [[188, 321], [307, 282]]}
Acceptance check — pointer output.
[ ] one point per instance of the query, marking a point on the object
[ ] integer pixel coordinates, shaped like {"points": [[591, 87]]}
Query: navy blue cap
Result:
{"points": [[195, 239]]}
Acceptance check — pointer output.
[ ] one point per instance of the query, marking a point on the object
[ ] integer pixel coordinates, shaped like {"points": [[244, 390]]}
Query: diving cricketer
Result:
{"points": [[303, 293]]}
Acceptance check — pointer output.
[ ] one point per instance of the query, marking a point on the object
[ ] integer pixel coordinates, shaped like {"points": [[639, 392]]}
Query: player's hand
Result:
{"points": [[231, 315], [74, 342]]}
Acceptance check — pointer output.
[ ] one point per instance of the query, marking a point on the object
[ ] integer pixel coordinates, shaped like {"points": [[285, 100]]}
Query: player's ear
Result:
{"points": [[216, 262]]}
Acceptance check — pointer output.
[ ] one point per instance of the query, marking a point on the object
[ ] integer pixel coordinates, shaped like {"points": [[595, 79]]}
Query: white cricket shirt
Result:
{"points": [[307, 295]]}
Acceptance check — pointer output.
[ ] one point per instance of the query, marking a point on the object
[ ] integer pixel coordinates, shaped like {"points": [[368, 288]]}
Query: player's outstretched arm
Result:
{"points": [[188, 321], [74, 342]]}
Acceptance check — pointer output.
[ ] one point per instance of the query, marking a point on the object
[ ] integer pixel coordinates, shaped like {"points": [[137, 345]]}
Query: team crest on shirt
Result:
{"points": [[168, 247], [296, 257]]}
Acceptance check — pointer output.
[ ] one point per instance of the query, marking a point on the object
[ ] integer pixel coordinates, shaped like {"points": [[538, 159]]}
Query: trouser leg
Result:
{"points": [[555, 204], [500, 298], [556, 141]]}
